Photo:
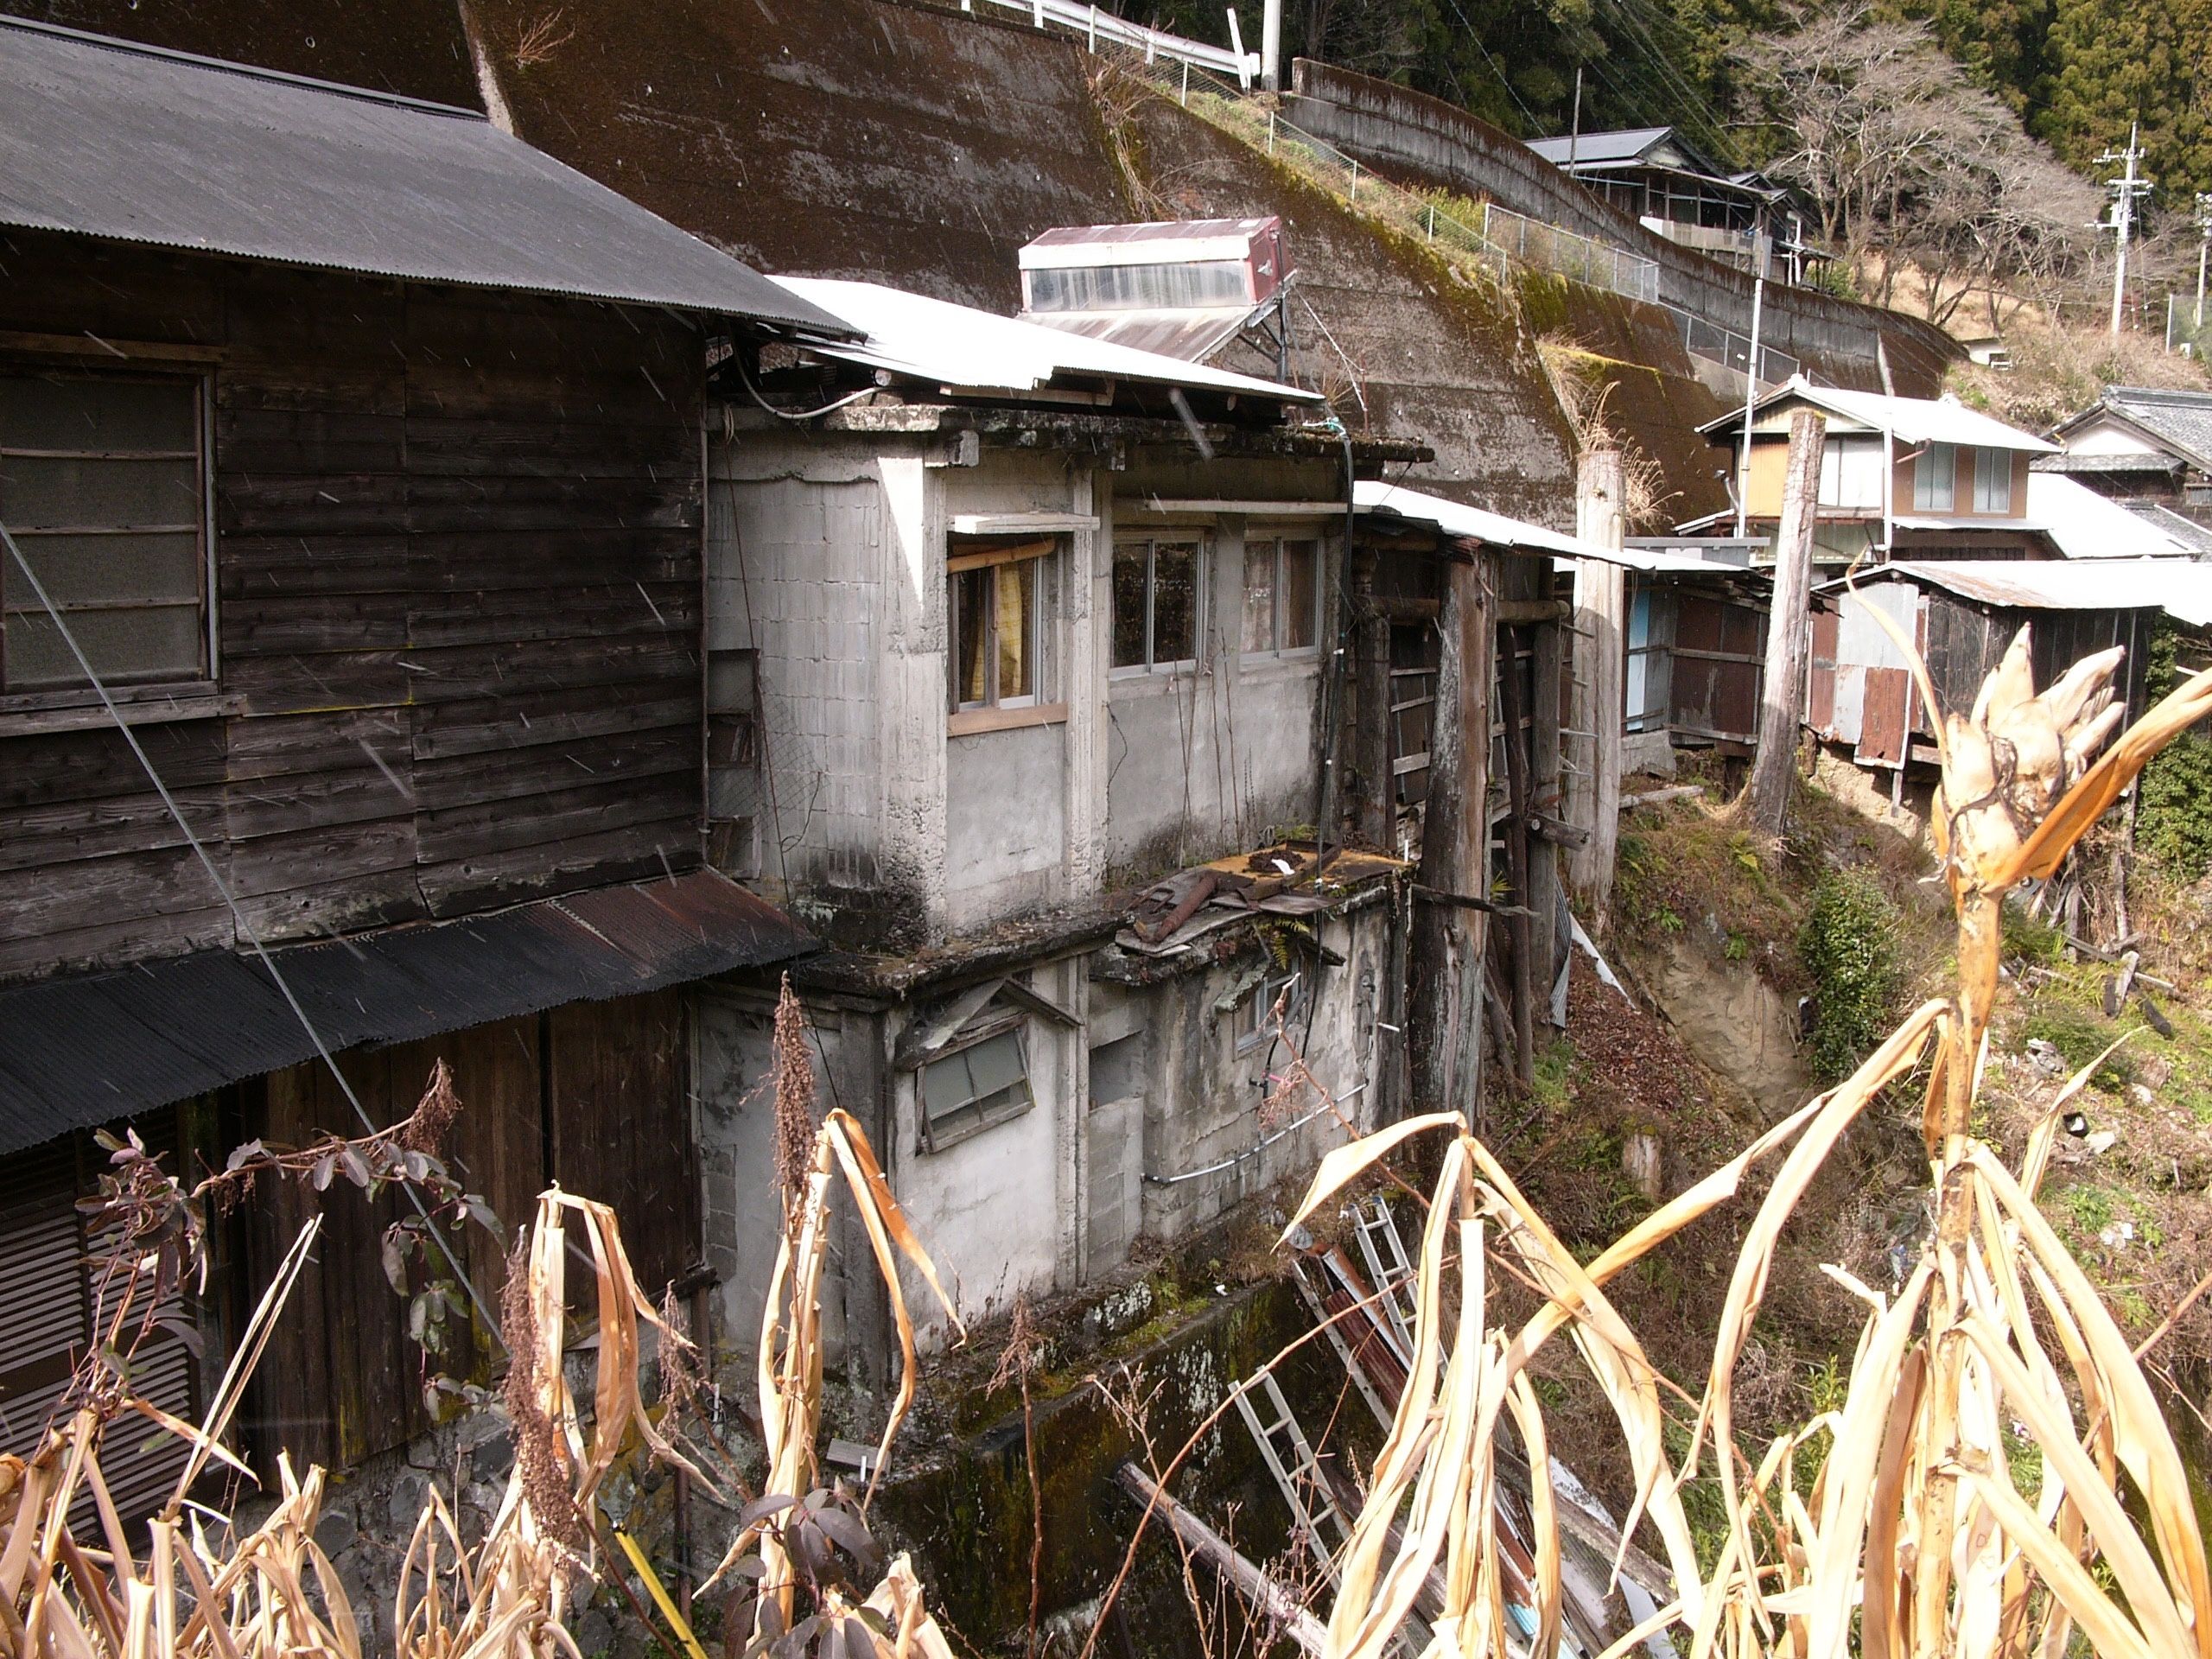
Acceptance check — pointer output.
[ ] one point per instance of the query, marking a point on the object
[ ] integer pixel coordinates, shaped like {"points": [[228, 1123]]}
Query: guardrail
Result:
{"points": [[1731, 350], [1155, 44], [1570, 254]]}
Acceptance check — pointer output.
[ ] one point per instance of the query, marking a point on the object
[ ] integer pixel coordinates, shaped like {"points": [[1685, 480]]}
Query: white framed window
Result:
{"points": [[1282, 595], [1156, 601], [103, 486], [1992, 480], [1851, 473], [1935, 479], [982, 1082], [997, 594]]}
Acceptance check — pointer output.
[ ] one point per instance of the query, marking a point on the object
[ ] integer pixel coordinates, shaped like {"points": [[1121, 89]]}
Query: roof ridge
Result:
{"points": [[248, 71]]}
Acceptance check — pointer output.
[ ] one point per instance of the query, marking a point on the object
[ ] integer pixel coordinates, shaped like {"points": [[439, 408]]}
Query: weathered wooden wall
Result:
{"points": [[595, 1096], [457, 557]]}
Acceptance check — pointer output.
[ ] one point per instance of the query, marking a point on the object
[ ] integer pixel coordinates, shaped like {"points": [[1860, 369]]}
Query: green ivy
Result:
{"points": [[1848, 947], [2173, 823]]}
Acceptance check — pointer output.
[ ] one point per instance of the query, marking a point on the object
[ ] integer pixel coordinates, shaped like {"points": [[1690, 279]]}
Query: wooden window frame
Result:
{"points": [[1278, 538], [994, 713], [185, 696], [1255, 1006], [936, 1132], [1201, 546]]}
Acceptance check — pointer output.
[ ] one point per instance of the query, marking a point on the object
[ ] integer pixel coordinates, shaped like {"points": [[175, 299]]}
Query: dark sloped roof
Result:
{"points": [[74, 1052], [132, 143], [2181, 419]]}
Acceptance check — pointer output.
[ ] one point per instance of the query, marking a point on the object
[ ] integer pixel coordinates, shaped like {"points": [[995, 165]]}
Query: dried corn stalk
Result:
{"points": [[1911, 1540]]}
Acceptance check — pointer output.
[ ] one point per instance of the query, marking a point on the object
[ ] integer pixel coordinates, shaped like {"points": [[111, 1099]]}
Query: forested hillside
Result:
{"points": [[1997, 98]]}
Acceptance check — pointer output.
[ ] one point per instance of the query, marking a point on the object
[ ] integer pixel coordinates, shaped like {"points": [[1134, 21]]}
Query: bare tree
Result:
{"points": [[1905, 159]]}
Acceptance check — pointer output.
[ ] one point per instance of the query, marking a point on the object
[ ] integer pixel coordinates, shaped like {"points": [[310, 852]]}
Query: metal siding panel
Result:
{"points": [[1881, 738]]}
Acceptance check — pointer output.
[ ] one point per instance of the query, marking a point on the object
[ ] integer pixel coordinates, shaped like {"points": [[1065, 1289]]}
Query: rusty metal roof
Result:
{"points": [[105, 138], [2182, 587], [78, 1051]]}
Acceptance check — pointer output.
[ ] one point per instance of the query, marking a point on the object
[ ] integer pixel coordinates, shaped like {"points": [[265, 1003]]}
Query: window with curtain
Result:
{"points": [[1155, 602], [1282, 593], [995, 611], [103, 485], [1992, 480], [1935, 479], [1851, 473]]}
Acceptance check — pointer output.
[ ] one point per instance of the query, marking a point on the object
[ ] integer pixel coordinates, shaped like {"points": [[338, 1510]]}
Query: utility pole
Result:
{"points": [[1574, 127], [1271, 45], [2203, 241], [2126, 191], [1789, 643], [1601, 630]]}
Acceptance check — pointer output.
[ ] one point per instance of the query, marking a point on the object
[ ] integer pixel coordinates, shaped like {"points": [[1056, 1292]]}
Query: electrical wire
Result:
{"points": [[238, 918], [745, 375]]}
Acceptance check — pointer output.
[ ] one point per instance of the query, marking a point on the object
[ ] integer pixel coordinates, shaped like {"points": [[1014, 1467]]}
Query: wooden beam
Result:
{"points": [[1260, 1592], [1789, 631], [1601, 632], [1449, 941], [1517, 863], [1527, 612]]}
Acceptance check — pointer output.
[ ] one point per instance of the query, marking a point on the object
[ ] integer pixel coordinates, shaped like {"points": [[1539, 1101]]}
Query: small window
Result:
{"points": [[103, 484], [1256, 1015], [995, 608], [1935, 479], [1992, 480], [1282, 595], [1851, 473], [972, 1088], [1155, 603]]}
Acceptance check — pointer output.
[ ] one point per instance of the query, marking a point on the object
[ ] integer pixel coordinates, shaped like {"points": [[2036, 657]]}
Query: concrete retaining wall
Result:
{"points": [[1432, 142]]}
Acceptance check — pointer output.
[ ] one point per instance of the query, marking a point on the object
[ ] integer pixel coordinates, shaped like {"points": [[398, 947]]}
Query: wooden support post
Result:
{"points": [[1449, 940], [1544, 808], [1520, 927], [1601, 637], [1789, 630], [1370, 743], [1260, 1592]]}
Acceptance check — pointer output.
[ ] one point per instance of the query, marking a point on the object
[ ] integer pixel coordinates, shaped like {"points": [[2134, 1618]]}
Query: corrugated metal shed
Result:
{"points": [[78, 1052], [2181, 588], [103, 138], [960, 347]]}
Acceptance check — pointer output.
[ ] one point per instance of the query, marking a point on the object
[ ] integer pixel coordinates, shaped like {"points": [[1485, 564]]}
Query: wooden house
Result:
{"points": [[1900, 477], [352, 458]]}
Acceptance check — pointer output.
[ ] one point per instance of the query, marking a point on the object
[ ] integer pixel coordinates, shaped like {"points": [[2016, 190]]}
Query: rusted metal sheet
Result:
{"points": [[78, 1052], [1820, 701], [1719, 664], [1881, 722]]}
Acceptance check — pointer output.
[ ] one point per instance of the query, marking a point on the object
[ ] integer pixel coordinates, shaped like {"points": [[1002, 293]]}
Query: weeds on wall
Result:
{"points": [[1849, 949]]}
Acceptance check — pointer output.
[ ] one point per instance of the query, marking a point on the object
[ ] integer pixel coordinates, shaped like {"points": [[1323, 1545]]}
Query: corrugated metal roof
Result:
{"points": [[1456, 518], [1172, 230], [1625, 145], [958, 345], [105, 138], [1915, 420], [78, 1051], [1194, 335], [2181, 588], [2083, 524]]}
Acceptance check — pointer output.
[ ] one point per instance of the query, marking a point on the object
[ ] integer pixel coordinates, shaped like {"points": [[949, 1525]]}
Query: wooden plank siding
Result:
{"points": [[595, 1096], [456, 569]]}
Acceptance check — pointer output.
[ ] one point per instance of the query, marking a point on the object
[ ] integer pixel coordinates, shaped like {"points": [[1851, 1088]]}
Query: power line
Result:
{"points": [[237, 916]]}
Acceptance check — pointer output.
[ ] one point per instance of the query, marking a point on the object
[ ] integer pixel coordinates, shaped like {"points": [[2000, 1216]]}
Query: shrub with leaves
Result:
{"points": [[2173, 825], [1848, 946]]}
